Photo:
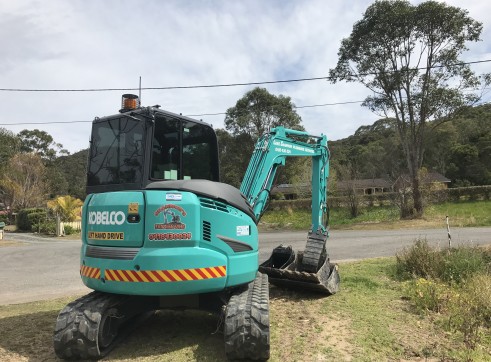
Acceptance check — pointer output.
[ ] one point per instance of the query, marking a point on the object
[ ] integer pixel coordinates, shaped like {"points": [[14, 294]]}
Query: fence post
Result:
{"points": [[448, 233]]}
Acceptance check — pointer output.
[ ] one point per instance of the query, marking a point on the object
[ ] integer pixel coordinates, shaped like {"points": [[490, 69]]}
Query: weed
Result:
{"points": [[429, 295], [470, 313], [420, 261], [450, 265]]}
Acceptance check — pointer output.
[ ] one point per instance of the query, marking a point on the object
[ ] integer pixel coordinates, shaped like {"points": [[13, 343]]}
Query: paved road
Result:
{"points": [[43, 268]]}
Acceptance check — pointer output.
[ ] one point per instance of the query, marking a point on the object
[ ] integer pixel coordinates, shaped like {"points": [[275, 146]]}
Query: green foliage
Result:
{"points": [[258, 111], [450, 265], [24, 221], [420, 260], [234, 155], [69, 230], [73, 169], [455, 283], [9, 145], [5, 219], [66, 207], [461, 263], [429, 295], [384, 52], [45, 227], [470, 313], [41, 143], [251, 117]]}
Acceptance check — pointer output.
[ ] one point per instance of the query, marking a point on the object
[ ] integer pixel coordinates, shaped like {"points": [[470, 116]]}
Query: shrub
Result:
{"points": [[5, 219], [420, 260], [45, 227], [23, 222], [429, 295], [450, 265], [470, 313], [69, 230], [461, 263]]}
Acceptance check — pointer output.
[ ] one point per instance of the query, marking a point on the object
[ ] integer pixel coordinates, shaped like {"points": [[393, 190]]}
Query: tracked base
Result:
{"points": [[91, 326], [246, 328], [286, 269]]}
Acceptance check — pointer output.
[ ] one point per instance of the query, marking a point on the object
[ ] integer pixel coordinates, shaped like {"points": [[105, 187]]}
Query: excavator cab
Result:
{"points": [[138, 146]]}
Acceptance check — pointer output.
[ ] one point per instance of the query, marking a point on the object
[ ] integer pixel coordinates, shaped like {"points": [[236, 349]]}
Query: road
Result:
{"points": [[42, 268]]}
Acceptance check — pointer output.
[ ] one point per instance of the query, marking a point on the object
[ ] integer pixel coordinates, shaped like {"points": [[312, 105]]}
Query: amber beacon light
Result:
{"points": [[129, 102]]}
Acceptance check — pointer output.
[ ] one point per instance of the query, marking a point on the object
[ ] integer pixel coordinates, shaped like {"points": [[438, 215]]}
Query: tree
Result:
{"points": [[67, 207], [409, 58], [73, 169], [253, 115], [9, 145], [258, 111], [23, 182], [233, 162], [41, 143]]}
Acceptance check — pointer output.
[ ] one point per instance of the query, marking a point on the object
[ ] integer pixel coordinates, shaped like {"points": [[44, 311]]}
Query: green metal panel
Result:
{"points": [[105, 219], [182, 234]]}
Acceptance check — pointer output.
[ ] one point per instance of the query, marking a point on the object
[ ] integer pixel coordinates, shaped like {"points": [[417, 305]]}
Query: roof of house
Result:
{"points": [[364, 184], [291, 188], [430, 177]]}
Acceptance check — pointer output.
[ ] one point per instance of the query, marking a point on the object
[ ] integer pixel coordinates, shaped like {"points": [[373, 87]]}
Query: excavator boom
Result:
{"points": [[311, 268]]}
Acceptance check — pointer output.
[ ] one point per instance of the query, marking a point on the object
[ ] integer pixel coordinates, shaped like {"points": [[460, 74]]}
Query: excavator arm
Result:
{"points": [[270, 152], [311, 268]]}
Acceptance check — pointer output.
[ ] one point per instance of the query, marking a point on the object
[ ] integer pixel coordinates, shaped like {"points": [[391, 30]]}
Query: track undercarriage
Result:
{"points": [[91, 326]]}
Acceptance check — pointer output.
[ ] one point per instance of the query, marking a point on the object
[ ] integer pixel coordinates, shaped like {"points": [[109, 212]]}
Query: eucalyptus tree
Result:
{"points": [[410, 58], [254, 114]]}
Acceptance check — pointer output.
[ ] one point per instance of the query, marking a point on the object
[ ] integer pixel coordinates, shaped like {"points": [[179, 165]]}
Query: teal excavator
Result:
{"points": [[160, 232]]}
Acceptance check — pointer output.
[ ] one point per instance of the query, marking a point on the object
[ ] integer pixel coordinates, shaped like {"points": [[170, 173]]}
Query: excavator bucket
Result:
{"points": [[284, 269]]}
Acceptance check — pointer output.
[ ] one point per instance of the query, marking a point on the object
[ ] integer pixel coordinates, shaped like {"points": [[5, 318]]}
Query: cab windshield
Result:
{"points": [[117, 152]]}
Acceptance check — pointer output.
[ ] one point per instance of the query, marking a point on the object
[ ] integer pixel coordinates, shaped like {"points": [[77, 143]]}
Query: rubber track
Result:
{"points": [[77, 326], [247, 322], [314, 252]]}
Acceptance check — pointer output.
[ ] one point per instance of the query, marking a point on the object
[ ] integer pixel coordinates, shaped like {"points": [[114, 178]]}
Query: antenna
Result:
{"points": [[140, 90]]}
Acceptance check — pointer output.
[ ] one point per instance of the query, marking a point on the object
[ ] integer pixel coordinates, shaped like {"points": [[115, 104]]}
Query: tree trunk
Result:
{"points": [[417, 197]]}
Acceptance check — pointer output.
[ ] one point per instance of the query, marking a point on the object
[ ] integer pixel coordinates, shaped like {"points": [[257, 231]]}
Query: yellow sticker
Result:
{"points": [[133, 208], [102, 235]]}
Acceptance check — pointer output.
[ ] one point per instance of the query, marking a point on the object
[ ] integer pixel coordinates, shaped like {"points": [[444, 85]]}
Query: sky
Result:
{"points": [[90, 44]]}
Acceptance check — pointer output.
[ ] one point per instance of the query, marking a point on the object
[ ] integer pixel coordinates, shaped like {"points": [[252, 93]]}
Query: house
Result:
{"points": [[431, 178], [365, 186], [292, 191]]}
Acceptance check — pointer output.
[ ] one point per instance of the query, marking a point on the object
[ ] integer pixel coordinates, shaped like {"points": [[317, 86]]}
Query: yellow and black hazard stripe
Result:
{"points": [[90, 272], [148, 276], [159, 276]]}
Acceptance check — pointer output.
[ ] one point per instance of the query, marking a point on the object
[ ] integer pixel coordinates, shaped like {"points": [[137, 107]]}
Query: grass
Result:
{"points": [[367, 320], [461, 214]]}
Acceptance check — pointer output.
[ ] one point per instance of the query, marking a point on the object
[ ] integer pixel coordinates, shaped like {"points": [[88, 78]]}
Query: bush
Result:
{"points": [[451, 265], [68, 230], [420, 261], [470, 313], [429, 295], [5, 219], [45, 227], [23, 222], [461, 263]]}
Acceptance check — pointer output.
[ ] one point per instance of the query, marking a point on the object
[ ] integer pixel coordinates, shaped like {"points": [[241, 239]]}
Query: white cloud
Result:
{"points": [[109, 44]]}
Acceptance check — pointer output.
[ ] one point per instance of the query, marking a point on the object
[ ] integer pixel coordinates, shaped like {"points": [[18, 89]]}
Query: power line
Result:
{"points": [[226, 84], [186, 115], [189, 115]]}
